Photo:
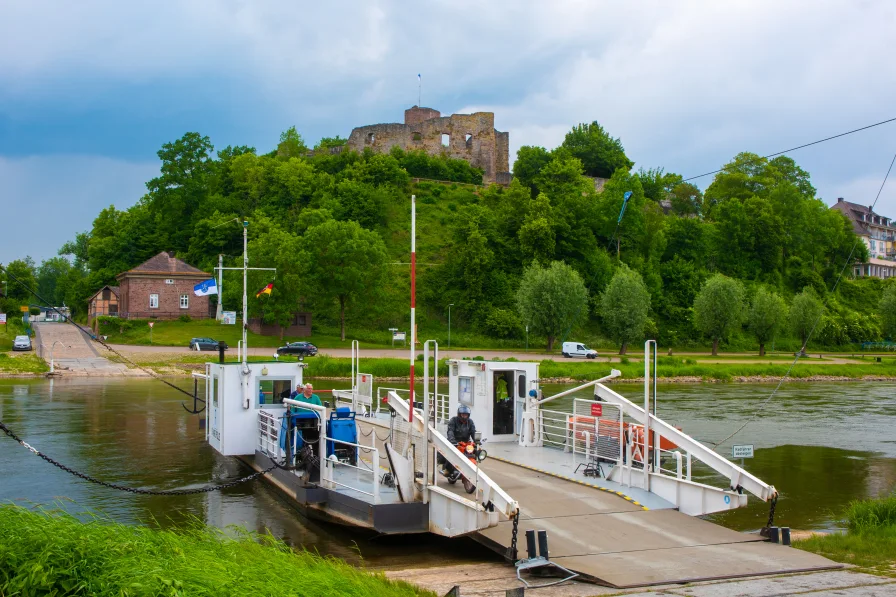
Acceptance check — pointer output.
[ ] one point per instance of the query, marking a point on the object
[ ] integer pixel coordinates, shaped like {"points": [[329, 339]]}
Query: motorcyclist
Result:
{"points": [[460, 429]]}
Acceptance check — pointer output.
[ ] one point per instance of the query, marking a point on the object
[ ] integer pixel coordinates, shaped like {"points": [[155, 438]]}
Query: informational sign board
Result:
{"points": [[597, 410], [24, 309], [744, 451], [399, 336], [228, 317], [2, 318]]}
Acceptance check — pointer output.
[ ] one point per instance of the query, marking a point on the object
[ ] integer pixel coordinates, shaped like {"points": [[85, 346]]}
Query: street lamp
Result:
{"points": [[449, 323], [52, 364]]}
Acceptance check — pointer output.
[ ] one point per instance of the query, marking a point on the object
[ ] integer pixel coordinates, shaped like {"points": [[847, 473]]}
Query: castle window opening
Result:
{"points": [[446, 139], [469, 140], [417, 137], [371, 137]]}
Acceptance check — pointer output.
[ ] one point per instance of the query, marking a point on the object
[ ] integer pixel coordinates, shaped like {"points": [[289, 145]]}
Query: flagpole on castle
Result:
{"points": [[419, 89]]}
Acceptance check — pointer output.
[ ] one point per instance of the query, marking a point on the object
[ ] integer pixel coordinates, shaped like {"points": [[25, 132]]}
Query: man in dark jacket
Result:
{"points": [[460, 429]]}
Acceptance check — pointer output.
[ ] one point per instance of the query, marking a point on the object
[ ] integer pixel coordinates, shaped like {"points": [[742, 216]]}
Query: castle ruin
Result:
{"points": [[469, 137]]}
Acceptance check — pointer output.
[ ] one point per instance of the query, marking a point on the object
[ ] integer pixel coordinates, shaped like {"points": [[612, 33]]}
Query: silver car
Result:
{"points": [[21, 343]]}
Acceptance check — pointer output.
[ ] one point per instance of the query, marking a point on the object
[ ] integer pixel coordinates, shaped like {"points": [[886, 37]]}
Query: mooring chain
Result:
{"points": [[382, 439], [86, 477], [514, 554], [771, 512]]}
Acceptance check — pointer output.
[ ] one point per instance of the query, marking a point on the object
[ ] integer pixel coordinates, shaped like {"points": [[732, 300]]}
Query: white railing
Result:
{"points": [[330, 467], [440, 410], [269, 434]]}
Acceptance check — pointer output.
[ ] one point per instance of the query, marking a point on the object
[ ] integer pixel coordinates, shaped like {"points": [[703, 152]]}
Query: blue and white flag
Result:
{"points": [[206, 288]]}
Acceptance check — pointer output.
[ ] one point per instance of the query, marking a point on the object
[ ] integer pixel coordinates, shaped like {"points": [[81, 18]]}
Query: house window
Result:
{"points": [[185, 301], [107, 294], [169, 281], [113, 309], [153, 301], [300, 320]]}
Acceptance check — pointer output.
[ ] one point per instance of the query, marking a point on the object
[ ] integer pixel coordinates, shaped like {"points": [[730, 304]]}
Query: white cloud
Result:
{"points": [[45, 200]]}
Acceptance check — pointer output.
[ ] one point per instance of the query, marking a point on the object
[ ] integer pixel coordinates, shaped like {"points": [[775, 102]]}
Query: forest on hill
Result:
{"points": [[336, 225]]}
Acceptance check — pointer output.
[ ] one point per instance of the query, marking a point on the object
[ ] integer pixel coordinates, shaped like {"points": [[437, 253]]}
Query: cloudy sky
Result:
{"points": [[90, 90]]}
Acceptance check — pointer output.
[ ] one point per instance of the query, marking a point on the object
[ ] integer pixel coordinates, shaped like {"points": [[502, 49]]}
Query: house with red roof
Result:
{"points": [[161, 288]]}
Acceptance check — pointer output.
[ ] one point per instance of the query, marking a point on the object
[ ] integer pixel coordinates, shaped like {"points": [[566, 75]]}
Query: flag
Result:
{"points": [[266, 290], [206, 288]]}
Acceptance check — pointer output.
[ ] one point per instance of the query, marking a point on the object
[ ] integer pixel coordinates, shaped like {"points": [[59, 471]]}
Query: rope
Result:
{"points": [[90, 334], [91, 479]]}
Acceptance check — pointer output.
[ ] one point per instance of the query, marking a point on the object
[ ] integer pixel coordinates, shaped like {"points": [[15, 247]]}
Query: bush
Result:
{"points": [[185, 318], [34, 311], [503, 323]]}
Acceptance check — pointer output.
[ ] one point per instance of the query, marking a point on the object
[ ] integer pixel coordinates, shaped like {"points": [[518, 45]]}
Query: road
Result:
{"points": [[73, 353]]}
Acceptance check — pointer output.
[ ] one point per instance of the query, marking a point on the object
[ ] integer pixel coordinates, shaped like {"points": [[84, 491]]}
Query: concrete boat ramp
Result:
{"points": [[611, 540]]}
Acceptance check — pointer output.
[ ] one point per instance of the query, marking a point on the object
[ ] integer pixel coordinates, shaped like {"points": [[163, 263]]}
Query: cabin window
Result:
{"points": [[446, 139], [153, 301], [465, 390], [273, 391], [521, 386]]}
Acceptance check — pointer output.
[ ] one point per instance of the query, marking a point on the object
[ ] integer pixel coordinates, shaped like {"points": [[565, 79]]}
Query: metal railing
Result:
{"points": [[331, 464], [440, 411]]}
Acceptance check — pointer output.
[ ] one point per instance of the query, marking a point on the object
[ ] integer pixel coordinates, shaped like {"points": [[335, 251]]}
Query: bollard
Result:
{"points": [[543, 544], [220, 353], [530, 544], [785, 535], [773, 534]]}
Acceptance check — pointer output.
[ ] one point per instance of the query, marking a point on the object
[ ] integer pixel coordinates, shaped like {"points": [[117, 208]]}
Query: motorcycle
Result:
{"points": [[472, 450]]}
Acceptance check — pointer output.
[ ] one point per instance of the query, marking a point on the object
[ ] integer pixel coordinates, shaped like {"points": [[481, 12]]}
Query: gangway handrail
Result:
{"points": [[322, 416], [736, 475], [493, 493]]}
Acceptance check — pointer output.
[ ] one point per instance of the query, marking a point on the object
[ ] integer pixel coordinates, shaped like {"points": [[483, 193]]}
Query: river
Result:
{"points": [[822, 445]]}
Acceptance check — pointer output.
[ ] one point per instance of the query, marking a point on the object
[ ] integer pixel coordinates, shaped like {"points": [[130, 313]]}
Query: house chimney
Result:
{"points": [[839, 199]]}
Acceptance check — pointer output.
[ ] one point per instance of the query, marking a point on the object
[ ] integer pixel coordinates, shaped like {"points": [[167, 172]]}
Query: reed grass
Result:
{"points": [[53, 553], [870, 539]]}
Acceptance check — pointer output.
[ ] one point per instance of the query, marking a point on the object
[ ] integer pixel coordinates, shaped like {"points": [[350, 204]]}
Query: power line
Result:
{"points": [[817, 319], [771, 155]]}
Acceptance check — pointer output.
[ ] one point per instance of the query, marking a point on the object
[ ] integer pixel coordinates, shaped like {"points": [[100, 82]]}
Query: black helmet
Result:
{"points": [[463, 409]]}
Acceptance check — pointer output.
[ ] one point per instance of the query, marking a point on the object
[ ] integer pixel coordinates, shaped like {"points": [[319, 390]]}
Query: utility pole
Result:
{"points": [[449, 324], [219, 311]]}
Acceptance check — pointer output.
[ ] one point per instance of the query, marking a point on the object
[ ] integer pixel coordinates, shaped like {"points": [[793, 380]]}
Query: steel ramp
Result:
{"points": [[611, 541]]}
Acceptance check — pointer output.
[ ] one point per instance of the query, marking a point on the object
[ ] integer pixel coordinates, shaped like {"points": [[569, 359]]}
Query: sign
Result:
{"points": [[2, 318], [597, 410], [24, 309], [745, 451], [228, 317], [151, 323], [399, 336]]}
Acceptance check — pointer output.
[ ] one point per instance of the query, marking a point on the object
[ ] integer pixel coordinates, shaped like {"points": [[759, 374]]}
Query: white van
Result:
{"points": [[577, 349]]}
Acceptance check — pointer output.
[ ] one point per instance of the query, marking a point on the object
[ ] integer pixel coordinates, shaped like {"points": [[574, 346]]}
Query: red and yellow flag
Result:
{"points": [[266, 290]]}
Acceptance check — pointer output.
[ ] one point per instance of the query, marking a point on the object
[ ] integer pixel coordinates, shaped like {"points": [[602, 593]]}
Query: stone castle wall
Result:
{"points": [[470, 137]]}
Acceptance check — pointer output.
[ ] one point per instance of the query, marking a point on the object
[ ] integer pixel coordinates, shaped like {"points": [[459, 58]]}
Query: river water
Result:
{"points": [[822, 445]]}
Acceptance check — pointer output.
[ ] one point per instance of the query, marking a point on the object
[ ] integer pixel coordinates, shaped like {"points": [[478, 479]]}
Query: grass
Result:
{"points": [[28, 362], [870, 539], [52, 553], [668, 367]]}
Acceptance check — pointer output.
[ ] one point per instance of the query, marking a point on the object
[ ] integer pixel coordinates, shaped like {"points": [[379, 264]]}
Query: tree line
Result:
{"points": [[549, 251]]}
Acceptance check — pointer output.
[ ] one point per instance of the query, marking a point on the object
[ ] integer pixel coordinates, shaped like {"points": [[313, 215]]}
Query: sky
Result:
{"points": [[90, 90]]}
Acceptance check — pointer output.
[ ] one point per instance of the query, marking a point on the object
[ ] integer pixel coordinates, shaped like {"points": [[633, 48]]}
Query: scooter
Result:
{"points": [[474, 451]]}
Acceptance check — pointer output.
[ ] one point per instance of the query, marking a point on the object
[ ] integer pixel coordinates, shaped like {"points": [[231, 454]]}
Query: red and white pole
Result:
{"points": [[413, 299]]}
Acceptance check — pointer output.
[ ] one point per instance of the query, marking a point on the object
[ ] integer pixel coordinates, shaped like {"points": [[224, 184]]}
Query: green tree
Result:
{"points": [[718, 308], [536, 235], [529, 162], [51, 277], [276, 248], [624, 307], [767, 312], [21, 276], [291, 144], [887, 309], [552, 299], [601, 154], [344, 261], [805, 311], [656, 183]]}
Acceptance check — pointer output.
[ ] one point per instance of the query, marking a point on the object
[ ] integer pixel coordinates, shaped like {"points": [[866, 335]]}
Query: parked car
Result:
{"points": [[198, 344], [577, 349], [301, 349], [21, 343]]}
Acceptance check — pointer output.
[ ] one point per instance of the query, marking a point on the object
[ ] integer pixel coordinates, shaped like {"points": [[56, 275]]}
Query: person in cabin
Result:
{"points": [[305, 394], [460, 429]]}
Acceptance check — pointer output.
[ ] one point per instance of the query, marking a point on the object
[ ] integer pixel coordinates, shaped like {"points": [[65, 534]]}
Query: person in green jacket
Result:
{"points": [[306, 395]]}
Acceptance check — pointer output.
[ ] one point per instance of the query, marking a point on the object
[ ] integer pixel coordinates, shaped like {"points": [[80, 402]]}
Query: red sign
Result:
{"points": [[151, 323], [597, 410]]}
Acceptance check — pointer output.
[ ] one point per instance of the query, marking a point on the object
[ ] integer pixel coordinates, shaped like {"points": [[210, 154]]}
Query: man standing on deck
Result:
{"points": [[306, 395]]}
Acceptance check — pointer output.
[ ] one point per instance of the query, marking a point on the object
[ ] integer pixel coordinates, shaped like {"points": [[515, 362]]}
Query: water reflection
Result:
{"points": [[821, 445]]}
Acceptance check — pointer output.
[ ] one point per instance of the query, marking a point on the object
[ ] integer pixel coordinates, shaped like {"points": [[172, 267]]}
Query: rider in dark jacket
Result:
{"points": [[460, 429]]}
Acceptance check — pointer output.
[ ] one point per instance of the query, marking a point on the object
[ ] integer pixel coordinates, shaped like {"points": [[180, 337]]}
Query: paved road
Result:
{"points": [[74, 354]]}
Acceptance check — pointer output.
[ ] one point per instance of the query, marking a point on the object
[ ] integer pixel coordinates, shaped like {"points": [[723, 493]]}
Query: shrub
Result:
{"points": [[185, 318], [503, 323]]}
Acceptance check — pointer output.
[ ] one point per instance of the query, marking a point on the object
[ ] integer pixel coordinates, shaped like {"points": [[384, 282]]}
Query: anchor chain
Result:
{"points": [[86, 477], [514, 554], [771, 517]]}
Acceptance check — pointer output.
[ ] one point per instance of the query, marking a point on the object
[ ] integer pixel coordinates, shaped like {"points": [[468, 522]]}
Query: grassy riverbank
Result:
{"points": [[870, 539], [13, 363], [670, 368], [55, 554]]}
